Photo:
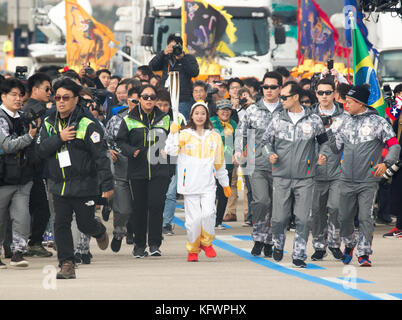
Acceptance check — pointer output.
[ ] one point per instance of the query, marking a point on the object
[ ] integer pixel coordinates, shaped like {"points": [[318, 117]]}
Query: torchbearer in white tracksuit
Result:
{"points": [[200, 162]]}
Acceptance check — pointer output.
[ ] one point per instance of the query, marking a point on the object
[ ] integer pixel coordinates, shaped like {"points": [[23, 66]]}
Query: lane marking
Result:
{"points": [[355, 293]]}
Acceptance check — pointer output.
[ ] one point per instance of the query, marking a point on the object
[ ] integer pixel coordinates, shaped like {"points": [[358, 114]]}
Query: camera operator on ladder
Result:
{"points": [[173, 58]]}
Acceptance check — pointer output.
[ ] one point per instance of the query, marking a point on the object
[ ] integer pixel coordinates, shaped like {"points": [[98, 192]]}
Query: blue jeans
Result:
{"points": [[184, 108], [170, 202]]}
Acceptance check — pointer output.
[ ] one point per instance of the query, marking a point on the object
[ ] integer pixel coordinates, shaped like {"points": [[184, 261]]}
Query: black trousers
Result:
{"points": [[395, 205], [222, 201], [84, 209], [39, 210], [147, 216]]}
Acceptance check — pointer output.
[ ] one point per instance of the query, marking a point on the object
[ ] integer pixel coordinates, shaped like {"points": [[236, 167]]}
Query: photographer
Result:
{"points": [[16, 171], [173, 58], [79, 172], [40, 90]]}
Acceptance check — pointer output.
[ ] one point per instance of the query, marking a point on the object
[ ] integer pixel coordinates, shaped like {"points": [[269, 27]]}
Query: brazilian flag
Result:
{"points": [[364, 71]]}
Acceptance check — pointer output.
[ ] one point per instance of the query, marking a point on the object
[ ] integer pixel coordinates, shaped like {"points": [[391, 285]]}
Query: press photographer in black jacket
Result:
{"points": [[173, 58]]}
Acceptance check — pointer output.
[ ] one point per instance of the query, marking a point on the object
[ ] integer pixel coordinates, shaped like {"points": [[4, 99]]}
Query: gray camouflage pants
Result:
{"points": [[325, 215], [261, 190], [122, 207], [302, 192], [14, 203], [361, 196]]}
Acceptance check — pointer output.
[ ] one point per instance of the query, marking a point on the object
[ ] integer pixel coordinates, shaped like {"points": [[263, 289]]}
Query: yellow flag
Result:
{"points": [[87, 41]]}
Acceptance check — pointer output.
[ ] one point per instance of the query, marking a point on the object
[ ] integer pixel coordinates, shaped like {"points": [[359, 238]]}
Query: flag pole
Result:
{"points": [[351, 17]]}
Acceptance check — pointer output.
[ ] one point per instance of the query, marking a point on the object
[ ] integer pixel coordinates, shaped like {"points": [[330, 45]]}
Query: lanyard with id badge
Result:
{"points": [[64, 156]]}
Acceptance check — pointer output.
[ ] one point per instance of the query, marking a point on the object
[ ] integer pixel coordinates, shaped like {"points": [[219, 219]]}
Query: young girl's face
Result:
{"points": [[199, 116]]}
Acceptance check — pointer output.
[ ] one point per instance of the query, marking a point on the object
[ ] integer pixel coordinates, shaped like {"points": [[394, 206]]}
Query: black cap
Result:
{"points": [[360, 93]]}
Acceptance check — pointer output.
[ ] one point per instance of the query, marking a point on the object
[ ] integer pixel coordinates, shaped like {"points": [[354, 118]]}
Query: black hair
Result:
{"points": [[145, 70], [343, 89], [304, 81], [310, 94], [147, 86], [72, 74], [398, 88], [273, 75], [174, 37], [98, 73], [36, 80], [163, 95], [326, 81], [252, 82], [134, 90], [116, 77], [200, 83], [243, 90], [88, 82], [231, 80], [68, 84], [9, 84], [294, 88], [282, 71]]}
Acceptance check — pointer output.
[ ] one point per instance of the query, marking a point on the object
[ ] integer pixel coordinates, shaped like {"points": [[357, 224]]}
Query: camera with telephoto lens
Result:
{"points": [[326, 120], [391, 170], [243, 101], [388, 96], [88, 103], [20, 72], [177, 49], [34, 112]]}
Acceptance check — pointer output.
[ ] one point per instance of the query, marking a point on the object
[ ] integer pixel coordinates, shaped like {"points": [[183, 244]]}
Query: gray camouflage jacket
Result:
{"points": [[295, 144], [331, 170], [112, 128], [361, 138], [257, 118]]}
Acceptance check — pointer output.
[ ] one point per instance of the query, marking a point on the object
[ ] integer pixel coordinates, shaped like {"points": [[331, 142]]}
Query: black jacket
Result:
{"points": [[89, 173], [17, 154], [187, 66], [147, 133]]}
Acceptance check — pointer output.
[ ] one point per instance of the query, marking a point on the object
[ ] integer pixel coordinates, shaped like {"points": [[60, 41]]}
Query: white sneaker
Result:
{"points": [[220, 227]]}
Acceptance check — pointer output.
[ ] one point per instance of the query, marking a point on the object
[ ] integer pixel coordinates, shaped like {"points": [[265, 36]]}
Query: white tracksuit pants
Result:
{"points": [[200, 212]]}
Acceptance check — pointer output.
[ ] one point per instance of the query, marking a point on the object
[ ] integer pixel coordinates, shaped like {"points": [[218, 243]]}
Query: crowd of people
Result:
{"points": [[74, 142]]}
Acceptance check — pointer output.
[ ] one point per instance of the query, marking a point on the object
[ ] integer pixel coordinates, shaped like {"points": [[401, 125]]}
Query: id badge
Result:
{"points": [[64, 159]]}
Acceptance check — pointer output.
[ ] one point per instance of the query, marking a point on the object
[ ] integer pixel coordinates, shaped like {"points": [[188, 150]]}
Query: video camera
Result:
{"points": [[34, 112], [391, 170], [20, 72], [330, 66]]}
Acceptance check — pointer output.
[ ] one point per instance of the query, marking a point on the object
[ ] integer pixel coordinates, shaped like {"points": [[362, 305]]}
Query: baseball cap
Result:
{"points": [[223, 104]]}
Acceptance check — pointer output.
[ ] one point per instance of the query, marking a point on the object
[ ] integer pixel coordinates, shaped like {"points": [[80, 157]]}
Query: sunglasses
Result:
{"points": [[65, 98], [135, 101], [151, 97], [327, 92], [305, 102], [284, 98], [266, 87], [47, 89]]}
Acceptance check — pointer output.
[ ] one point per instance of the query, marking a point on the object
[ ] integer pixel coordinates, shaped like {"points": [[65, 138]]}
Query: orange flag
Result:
{"points": [[87, 41]]}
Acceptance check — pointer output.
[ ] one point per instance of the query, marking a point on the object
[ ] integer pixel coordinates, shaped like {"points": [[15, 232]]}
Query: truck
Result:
{"points": [[257, 39], [383, 29]]}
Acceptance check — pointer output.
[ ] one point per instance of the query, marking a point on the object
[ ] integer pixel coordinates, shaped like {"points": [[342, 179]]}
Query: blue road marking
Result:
{"points": [[396, 295], [356, 280], [355, 293]]}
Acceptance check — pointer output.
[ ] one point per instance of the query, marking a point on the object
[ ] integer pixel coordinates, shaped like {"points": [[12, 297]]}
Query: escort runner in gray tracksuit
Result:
{"points": [[295, 146], [361, 137], [325, 212], [257, 118], [122, 201]]}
